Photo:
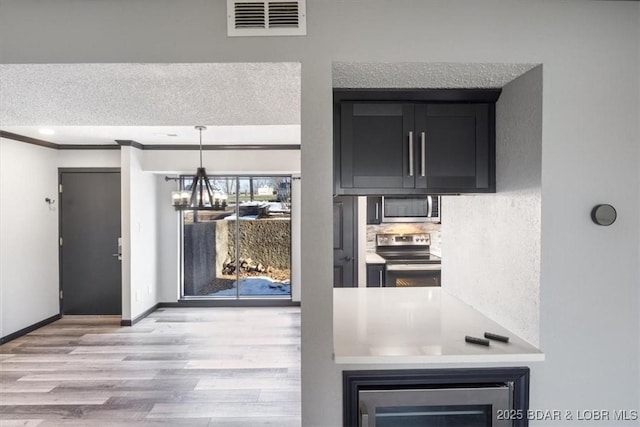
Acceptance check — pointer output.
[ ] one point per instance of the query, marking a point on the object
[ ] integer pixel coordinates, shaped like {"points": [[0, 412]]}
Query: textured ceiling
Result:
{"points": [[241, 103], [434, 75], [150, 94]]}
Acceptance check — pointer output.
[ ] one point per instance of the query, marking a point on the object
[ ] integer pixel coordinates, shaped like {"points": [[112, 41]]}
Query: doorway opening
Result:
{"points": [[241, 249]]}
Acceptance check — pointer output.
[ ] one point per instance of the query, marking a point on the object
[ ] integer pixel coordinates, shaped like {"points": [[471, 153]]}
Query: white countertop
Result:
{"points": [[416, 325], [374, 258]]}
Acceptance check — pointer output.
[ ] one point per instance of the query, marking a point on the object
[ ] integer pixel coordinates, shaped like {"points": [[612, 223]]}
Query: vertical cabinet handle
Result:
{"points": [[377, 209], [380, 277], [410, 153], [423, 153]]}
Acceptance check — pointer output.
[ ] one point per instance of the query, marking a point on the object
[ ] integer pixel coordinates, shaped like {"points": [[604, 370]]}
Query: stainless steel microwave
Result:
{"points": [[411, 208]]}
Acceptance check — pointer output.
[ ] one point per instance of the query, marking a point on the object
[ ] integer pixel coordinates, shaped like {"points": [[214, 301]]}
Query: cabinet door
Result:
{"points": [[374, 147], [375, 275], [374, 210], [456, 148]]}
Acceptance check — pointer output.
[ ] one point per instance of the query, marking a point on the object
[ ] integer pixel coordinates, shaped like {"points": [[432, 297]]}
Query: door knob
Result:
{"points": [[348, 258]]}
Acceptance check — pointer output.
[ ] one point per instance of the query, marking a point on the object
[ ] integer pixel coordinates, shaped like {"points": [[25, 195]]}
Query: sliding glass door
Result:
{"points": [[241, 248]]}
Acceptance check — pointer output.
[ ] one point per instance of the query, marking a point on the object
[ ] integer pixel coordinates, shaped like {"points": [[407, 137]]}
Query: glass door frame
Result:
{"points": [[238, 296]]}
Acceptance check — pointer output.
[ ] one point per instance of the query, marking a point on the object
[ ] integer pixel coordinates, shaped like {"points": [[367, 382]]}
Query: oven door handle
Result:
{"points": [[413, 267]]}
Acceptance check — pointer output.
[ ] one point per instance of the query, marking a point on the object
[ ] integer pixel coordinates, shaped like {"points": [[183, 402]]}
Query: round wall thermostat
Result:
{"points": [[603, 214]]}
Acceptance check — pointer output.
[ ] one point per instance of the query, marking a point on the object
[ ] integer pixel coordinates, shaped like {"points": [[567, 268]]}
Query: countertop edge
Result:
{"points": [[441, 359]]}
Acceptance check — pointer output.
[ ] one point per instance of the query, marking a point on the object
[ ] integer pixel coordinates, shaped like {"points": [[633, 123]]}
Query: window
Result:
{"points": [[241, 248]]}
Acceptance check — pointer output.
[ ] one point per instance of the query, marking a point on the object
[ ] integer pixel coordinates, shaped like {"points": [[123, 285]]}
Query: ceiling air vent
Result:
{"points": [[266, 18]]}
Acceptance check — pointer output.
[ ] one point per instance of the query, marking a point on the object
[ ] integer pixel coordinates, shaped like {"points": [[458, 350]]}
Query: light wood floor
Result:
{"points": [[178, 367]]}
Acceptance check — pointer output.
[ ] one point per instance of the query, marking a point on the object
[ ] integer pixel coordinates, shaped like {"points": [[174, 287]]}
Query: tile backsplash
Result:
{"points": [[405, 227]]}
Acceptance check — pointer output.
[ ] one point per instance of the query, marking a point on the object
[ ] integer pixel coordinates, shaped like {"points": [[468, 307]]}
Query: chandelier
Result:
{"points": [[200, 195]]}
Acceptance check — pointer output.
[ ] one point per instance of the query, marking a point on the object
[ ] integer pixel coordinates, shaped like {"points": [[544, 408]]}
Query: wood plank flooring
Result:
{"points": [[218, 366]]}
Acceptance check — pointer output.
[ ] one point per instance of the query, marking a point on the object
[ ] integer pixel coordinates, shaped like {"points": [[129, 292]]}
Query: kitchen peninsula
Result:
{"points": [[417, 325]]}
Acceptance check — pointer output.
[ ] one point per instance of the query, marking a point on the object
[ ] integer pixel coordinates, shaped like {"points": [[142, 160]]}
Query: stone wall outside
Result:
{"points": [[207, 245], [267, 241]]}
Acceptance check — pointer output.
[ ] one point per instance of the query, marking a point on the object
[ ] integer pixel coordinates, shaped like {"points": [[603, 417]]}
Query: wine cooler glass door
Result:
{"points": [[459, 407]]}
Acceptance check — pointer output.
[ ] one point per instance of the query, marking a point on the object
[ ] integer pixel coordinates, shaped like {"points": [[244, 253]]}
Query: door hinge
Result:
{"points": [[60, 293], [60, 188], [61, 241]]}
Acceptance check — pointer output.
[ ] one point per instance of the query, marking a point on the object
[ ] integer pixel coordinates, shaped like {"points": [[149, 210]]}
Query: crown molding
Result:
{"points": [[29, 140], [157, 147]]}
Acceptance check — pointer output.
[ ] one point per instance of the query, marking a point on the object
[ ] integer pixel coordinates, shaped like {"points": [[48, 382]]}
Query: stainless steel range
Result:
{"points": [[408, 259]]}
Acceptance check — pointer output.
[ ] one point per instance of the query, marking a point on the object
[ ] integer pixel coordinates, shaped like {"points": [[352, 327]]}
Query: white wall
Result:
{"points": [[126, 172], [223, 162], [168, 238], [589, 301], [139, 235], [491, 245], [88, 158], [28, 235]]}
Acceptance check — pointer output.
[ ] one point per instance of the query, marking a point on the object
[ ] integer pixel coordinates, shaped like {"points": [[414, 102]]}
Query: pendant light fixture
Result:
{"points": [[199, 196]]}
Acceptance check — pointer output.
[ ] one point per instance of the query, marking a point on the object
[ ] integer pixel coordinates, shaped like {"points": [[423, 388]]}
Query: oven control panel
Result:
{"points": [[417, 239]]}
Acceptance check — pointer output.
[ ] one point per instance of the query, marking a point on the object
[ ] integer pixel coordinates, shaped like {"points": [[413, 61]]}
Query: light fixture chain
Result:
{"points": [[200, 146]]}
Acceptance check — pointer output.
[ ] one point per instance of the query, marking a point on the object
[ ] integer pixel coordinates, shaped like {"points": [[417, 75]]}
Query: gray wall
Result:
{"points": [[491, 249], [589, 51]]}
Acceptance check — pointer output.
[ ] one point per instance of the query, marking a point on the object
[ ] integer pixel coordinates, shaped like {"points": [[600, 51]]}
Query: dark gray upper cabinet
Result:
{"points": [[374, 153], [374, 210], [414, 142]]}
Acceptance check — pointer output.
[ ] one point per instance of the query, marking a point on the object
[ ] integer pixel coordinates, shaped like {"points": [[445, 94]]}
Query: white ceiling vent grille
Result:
{"points": [[266, 18]]}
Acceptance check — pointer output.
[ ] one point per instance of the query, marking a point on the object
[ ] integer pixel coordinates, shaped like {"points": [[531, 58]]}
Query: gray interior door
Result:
{"points": [[91, 274], [345, 224]]}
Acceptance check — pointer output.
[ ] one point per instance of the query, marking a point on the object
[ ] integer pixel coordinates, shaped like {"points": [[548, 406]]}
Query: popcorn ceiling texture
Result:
{"points": [[425, 75], [150, 94], [229, 94]]}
